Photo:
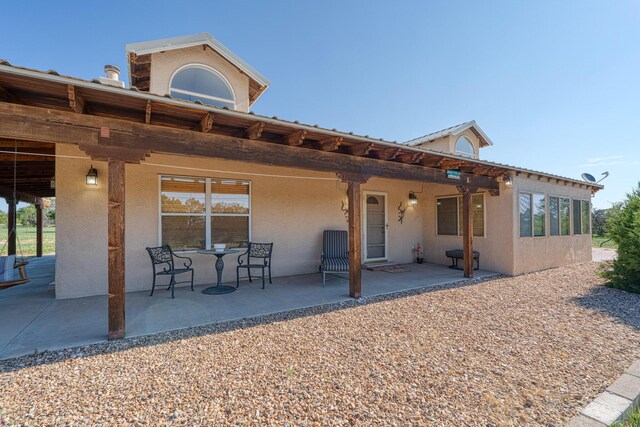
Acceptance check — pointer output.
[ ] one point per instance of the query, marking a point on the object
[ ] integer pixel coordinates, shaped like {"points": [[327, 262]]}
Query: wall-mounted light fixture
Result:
{"points": [[413, 200], [92, 176], [508, 180]]}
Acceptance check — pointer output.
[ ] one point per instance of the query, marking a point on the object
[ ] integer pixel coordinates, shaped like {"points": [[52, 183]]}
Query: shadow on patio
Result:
{"points": [[39, 322]]}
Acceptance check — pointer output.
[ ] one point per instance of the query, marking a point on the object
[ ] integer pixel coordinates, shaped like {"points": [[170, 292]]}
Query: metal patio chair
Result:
{"points": [[335, 253], [163, 256], [256, 251]]}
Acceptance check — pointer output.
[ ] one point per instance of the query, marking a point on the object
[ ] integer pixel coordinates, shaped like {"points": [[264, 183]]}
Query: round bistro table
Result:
{"points": [[219, 288]]}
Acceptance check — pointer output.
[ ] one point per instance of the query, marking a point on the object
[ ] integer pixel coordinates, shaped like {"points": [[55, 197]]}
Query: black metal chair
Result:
{"points": [[164, 255], [255, 250]]}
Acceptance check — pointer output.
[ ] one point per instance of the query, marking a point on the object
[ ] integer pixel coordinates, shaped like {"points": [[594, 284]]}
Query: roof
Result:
{"points": [[146, 48], [18, 81], [454, 130]]}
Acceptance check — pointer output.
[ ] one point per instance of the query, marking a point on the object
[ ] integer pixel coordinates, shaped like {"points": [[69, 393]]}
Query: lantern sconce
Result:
{"points": [[508, 180], [413, 200], [92, 176]]}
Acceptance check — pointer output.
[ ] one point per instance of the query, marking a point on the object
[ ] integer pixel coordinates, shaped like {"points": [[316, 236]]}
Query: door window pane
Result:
{"points": [[447, 212], [376, 227], [554, 216], [525, 215]]}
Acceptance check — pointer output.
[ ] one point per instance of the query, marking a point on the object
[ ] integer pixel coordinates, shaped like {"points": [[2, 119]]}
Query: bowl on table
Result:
{"points": [[219, 247]]}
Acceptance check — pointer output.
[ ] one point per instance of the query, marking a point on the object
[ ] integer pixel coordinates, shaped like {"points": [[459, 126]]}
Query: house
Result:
{"points": [[179, 158]]}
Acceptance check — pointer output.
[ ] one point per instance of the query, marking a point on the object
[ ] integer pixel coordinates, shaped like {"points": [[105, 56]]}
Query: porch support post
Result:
{"points": [[355, 239], [38, 230], [116, 248], [11, 227], [467, 231]]}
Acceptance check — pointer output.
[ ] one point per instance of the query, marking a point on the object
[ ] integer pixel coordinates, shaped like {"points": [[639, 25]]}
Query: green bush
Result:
{"points": [[624, 228]]}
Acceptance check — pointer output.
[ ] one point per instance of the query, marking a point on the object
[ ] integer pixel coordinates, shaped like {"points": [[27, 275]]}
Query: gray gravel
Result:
{"points": [[532, 350]]}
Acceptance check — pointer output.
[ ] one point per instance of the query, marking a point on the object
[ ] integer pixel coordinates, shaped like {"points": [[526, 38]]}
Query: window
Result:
{"points": [[449, 214], [532, 215], [197, 212], [559, 216], [465, 147], [565, 217], [581, 217], [200, 83]]}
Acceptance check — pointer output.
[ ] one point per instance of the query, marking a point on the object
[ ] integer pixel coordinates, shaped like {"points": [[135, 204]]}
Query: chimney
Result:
{"points": [[113, 75]]}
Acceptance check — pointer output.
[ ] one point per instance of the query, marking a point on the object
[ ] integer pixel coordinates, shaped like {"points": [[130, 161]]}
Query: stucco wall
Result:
{"points": [[496, 248], [290, 212], [539, 253], [447, 144], [164, 64]]}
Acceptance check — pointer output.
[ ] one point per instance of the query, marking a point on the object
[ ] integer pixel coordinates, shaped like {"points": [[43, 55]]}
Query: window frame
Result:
{"points": [[458, 208], [463, 153], [202, 95], [531, 195], [560, 199], [208, 211], [579, 232]]}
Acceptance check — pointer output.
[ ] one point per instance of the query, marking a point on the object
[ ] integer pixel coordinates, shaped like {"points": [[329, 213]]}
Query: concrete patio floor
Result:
{"points": [[31, 319]]}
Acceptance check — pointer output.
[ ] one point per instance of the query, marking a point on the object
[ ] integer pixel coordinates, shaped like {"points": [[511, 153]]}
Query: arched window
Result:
{"points": [[200, 83], [465, 147]]}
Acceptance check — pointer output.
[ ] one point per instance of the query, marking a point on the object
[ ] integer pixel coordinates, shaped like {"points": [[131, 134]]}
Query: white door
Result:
{"points": [[375, 226]]}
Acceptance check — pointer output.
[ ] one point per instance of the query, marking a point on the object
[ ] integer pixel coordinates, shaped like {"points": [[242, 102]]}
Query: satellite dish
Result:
{"points": [[590, 178]]}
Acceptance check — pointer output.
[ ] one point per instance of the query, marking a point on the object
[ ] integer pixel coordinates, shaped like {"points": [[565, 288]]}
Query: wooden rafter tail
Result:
{"points": [[331, 144], [76, 101], [360, 150], [206, 124], [147, 113], [295, 138], [9, 96], [255, 130]]}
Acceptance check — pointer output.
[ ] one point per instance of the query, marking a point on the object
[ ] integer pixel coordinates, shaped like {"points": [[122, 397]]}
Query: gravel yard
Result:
{"points": [[532, 350]]}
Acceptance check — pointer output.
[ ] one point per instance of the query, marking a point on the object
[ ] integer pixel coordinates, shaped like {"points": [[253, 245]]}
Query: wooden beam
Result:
{"points": [[19, 157], [387, 154], [450, 163], [8, 194], [11, 226], [467, 231], [255, 130], [360, 149], [206, 123], [354, 196], [76, 101], [39, 230], [295, 138], [331, 144], [46, 125], [9, 96], [411, 157], [115, 226], [10, 143], [147, 113]]}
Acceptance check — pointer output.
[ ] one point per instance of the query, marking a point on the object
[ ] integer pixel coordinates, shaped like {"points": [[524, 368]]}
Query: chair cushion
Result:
{"points": [[335, 264], [6, 268], [335, 243]]}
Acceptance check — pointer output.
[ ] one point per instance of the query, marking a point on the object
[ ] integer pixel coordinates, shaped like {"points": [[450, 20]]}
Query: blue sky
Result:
{"points": [[554, 84]]}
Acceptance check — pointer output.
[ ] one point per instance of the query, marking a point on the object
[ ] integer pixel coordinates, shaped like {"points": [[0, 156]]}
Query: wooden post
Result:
{"points": [[116, 248], [467, 232], [355, 239], [38, 230], [11, 227]]}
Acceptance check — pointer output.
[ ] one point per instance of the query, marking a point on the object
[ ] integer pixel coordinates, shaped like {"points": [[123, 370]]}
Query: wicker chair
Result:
{"points": [[335, 253], [259, 251], [164, 256]]}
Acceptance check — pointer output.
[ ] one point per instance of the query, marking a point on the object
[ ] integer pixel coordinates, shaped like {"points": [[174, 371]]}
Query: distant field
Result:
{"points": [[26, 244], [597, 241]]}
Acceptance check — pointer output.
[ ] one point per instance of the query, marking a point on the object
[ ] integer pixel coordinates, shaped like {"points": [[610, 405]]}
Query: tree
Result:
{"points": [[4, 218], [26, 216], [599, 222], [624, 228]]}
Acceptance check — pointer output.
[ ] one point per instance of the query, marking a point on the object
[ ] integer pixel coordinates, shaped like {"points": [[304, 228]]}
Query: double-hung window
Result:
{"points": [[195, 213], [559, 216], [449, 214], [581, 216], [532, 215]]}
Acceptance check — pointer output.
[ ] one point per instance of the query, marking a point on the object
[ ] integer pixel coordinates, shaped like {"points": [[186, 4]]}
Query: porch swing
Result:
{"points": [[10, 263]]}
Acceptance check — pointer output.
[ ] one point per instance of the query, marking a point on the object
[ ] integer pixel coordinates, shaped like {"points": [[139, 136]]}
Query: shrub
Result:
{"points": [[624, 228]]}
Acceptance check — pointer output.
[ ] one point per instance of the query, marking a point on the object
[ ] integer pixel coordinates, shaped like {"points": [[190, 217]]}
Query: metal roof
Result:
{"points": [[453, 130], [173, 43], [52, 75]]}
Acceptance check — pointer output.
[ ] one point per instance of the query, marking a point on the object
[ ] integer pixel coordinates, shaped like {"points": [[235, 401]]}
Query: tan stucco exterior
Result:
{"points": [[165, 64], [447, 144]]}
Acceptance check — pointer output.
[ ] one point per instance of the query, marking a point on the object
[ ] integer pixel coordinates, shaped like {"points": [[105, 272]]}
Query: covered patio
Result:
{"points": [[40, 322]]}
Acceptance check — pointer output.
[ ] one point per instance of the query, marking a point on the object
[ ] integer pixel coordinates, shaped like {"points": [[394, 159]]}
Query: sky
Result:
{"points": [[555, 85]]}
